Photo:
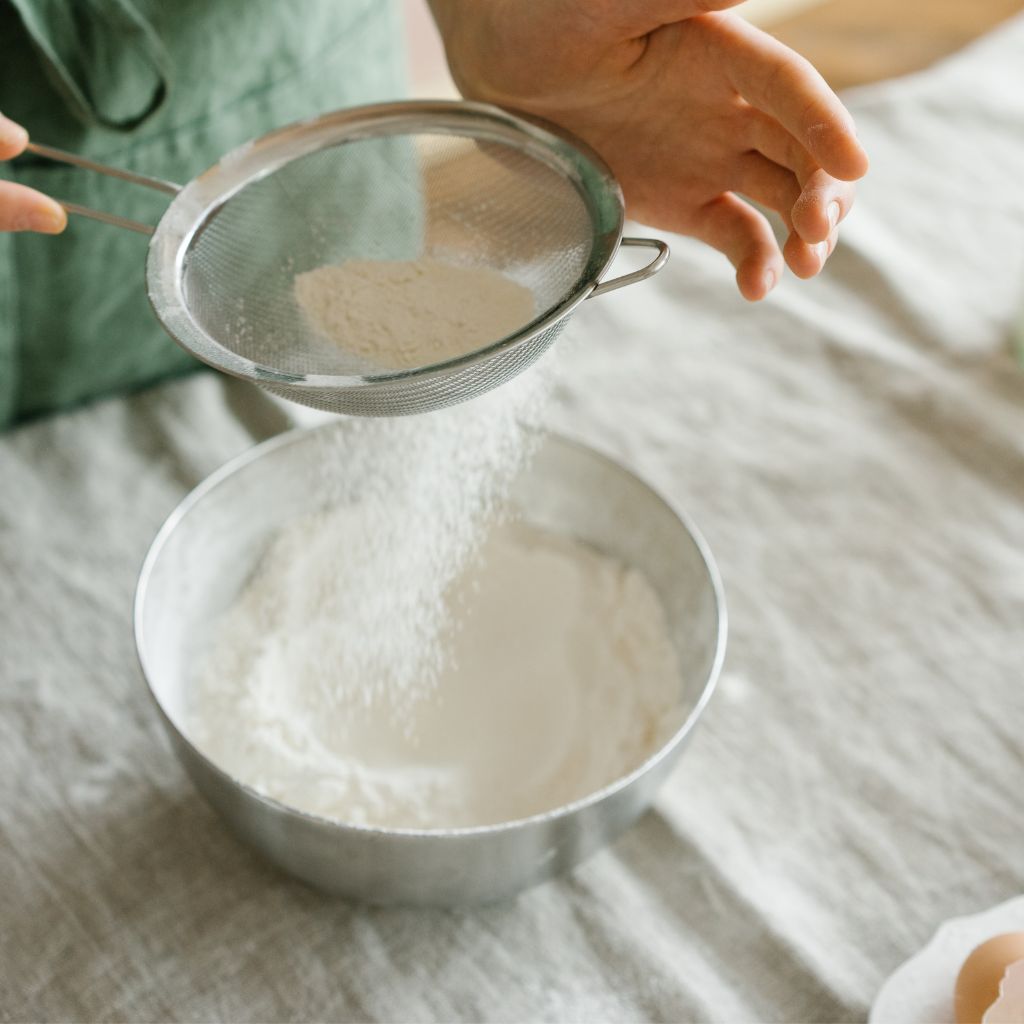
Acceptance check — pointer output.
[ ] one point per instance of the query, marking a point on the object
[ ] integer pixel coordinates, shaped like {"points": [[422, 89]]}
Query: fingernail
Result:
{"points": [[822, 251], [769, 281], [48, 219], [12, 134], [833, 211]]}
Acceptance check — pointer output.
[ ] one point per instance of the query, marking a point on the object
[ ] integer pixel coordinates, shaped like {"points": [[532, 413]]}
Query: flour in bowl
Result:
{"points": [[560, 677], [400, 314], [378, 668]]}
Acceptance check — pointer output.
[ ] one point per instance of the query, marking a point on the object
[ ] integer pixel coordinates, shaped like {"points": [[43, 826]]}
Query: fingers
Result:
{"points": [[24, 209], [767, 136], [824, 201], [811, 213], [764, 181], [779, 82], [807, 260], [13, 138], [21, 208], [736, 229]]}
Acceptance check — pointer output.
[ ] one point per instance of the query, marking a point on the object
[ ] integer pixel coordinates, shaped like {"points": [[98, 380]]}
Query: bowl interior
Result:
{"points": [[210, 545]]}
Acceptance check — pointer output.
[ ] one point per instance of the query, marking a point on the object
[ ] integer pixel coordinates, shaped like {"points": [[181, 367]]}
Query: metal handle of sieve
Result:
{"points": [[60, 156], [638, 275]]}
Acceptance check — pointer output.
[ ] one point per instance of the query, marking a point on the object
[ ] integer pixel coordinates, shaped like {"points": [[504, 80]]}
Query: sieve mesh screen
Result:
{"points": [[465, 201]]}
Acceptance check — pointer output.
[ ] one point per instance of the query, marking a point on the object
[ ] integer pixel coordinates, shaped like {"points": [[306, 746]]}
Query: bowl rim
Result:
{"points": [[299, 435]]}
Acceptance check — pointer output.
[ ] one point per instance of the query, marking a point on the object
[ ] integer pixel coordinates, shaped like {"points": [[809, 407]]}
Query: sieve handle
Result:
{"points": [[63, 157], [638, 275]]}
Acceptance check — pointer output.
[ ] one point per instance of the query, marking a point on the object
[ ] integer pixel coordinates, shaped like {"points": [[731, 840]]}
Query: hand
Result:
{"points": [[21, 208], [691, 110]]}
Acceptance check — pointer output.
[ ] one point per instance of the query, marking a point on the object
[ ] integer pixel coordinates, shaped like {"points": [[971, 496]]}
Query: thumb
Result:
{"points": [[24, 209]]}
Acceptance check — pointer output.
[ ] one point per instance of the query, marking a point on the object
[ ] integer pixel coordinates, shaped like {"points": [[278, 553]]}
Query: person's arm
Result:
{"points": [[691, 107], [21, 208]]}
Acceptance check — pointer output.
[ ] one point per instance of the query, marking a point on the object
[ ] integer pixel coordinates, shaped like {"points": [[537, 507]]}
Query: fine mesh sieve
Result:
{"points": [[462, 183]]}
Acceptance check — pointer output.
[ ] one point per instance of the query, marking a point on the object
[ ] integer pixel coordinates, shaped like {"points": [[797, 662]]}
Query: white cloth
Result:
{"points": [[854, 452]]}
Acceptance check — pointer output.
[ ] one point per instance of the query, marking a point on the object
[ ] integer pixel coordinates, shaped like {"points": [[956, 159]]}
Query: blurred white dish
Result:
{"points": [[921, 990]]}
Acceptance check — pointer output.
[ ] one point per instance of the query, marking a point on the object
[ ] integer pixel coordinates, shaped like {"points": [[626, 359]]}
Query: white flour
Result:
{"points": [[402, 314], [561, 678], [339, 683], [353, 599], [414, 494]]}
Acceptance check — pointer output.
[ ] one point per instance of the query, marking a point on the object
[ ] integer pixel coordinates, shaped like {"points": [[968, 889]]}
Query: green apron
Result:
{"points": [[165, 89]]}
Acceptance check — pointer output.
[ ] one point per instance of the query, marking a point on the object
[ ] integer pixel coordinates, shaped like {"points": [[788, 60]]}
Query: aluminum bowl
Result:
{"points": [[210, 544]]}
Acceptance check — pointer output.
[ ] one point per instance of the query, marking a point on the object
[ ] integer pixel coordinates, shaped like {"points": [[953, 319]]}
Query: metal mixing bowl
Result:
{"points": [[210, 544]]}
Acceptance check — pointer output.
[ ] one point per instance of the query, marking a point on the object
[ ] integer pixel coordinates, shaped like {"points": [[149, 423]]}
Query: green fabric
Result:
{"points": [[163, 89]]}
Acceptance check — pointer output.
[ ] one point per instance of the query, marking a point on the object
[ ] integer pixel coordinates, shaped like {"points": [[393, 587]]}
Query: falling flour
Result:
{"points": [[400, 658], [355, 597], [403, 314], [560, 677]]}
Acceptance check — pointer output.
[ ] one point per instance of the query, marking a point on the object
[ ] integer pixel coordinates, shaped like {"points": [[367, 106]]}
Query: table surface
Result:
{"points": [[854, 452], [855, 41]]}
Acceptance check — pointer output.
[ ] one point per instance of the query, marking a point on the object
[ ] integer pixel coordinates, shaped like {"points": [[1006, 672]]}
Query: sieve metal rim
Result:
{"points": [[196, 204]]}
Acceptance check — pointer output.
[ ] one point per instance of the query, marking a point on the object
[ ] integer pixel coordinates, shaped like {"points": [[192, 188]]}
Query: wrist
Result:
{"points": [[466, 29]]}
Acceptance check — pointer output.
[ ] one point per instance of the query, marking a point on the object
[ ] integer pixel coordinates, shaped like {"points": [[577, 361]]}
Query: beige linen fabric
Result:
{"points": [[854, 452]]}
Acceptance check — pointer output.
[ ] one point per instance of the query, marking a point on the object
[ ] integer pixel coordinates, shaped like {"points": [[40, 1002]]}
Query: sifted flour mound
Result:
{"points": [[560, 679], [403, 314]]}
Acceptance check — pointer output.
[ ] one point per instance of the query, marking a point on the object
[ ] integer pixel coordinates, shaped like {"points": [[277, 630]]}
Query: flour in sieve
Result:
{"points": [[399, 314]]}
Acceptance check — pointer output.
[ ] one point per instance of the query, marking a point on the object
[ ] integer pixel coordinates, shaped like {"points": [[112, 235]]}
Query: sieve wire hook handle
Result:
{"points": [[60, 156], [637, 275]]}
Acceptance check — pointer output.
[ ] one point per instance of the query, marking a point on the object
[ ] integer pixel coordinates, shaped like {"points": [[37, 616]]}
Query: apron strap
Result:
{"points": [[87, 46]]}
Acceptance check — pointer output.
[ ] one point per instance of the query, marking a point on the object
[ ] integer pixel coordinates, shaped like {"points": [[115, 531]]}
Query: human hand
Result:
{"points": [[21, 208], [691, 107]]}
